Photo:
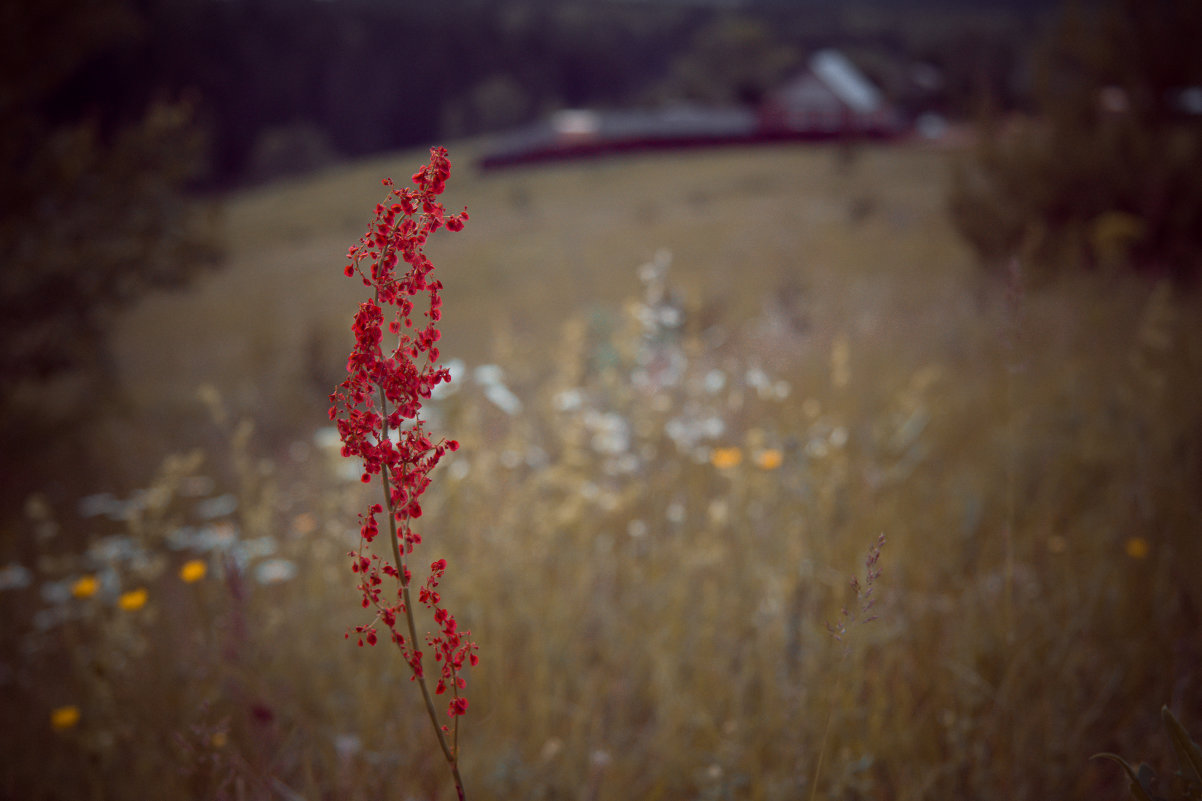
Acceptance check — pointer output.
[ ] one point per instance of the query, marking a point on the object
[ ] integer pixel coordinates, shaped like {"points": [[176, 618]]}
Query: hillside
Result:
{"points": [[716, 386]]}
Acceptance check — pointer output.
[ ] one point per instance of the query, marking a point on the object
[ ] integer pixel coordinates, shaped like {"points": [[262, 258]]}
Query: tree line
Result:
{"points": [[316, 78]]}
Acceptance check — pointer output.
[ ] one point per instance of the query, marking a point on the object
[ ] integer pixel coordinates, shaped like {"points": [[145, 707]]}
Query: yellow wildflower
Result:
{"points": [[193, 570], [769, 459], [133, 600], [85, 587], [219, 739], [1137, 547], [723, 458], [64, 717]]}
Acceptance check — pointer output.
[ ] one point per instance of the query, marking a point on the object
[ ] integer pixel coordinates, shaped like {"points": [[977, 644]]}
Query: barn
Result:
{"points": [[831, 97]]}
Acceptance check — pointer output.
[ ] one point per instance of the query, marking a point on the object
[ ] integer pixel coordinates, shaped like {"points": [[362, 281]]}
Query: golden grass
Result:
{"points": [[543, 244], [651, 609]]}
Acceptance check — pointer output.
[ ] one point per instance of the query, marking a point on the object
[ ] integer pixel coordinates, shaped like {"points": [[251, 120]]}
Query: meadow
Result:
{"points": [[692, 392]]}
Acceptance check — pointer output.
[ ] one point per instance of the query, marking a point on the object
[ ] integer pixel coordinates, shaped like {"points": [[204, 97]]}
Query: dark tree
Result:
{"points": [[93, 209], [1109, 170]]}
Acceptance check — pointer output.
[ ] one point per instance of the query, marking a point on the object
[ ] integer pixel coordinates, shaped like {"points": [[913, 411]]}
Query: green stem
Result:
{"points": [[448, 751]]}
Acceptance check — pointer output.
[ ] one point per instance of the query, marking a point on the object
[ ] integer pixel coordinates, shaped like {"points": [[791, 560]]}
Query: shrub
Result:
{"points": [[1109, 171], [93, 210]]}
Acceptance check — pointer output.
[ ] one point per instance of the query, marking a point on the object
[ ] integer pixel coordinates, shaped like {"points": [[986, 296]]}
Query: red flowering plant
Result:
{"points": [[378, 413]]}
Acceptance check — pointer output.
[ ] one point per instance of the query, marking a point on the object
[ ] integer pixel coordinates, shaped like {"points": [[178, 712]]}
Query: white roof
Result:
{"points": [[842, 78], [576, 122]]}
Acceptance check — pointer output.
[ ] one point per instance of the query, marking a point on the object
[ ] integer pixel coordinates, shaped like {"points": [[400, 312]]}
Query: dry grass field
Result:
{"points": [[546, 244], [716, 378]]}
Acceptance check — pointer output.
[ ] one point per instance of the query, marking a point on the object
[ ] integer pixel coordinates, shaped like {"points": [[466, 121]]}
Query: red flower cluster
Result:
{"points": [[377, 410], [451, 647]]}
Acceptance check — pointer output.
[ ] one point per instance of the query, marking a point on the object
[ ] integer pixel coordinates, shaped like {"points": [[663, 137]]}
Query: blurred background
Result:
{"points": [[745, 285]]}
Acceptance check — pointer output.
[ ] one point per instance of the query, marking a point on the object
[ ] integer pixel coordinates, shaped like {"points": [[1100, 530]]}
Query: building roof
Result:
{"points": [[840, 77], [847, 82], [587, 129]]}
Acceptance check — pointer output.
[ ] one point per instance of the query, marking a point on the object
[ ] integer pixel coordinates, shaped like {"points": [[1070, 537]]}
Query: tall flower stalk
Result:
{"points": [[378, 413]]}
